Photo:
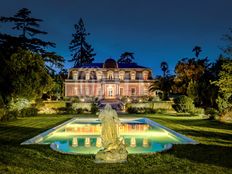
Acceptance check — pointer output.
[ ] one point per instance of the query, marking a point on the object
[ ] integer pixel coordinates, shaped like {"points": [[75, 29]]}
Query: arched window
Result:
{"points": [[133, 75], [121, 75], [110, 75], [145, 75]]}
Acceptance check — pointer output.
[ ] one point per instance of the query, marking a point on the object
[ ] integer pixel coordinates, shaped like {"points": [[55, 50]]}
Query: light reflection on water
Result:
{"points": [[84, 138]]}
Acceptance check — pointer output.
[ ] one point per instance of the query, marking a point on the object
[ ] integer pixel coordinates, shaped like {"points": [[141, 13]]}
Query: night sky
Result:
{"points": [[155, 30]]}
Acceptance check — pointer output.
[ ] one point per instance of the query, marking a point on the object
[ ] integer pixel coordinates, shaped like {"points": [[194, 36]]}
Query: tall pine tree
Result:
{"points": [[82, 51], [28, 28]]}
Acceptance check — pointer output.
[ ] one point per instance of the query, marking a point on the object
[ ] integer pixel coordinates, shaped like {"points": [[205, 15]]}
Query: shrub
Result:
{"points": [[9, 115], [39, 103], [184, 104], [226, 115], [150, 111], [211, 112], [198, 111], [161, 111], [71, 111], [80, 111], [19, 104], [131, 110], [75, 99], [2, 113], [94, 108], [27, 112]]}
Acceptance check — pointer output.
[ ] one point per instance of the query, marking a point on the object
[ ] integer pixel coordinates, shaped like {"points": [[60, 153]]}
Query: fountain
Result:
{"points": [[114, 150]]}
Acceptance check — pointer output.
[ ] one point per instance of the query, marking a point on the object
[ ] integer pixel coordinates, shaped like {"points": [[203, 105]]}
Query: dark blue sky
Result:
{"points": [[155, 30]]}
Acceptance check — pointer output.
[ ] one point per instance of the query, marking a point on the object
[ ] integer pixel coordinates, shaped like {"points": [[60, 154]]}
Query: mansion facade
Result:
{"points": [[108, 80]]}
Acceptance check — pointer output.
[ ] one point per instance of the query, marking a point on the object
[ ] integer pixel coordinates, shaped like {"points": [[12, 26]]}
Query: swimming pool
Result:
{"points": [[82, 136]]}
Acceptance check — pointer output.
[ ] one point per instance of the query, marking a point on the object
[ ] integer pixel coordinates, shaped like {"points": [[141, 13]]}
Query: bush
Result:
{"points": [[150, 111], [131, 110], [94, 108], [19, 104], [2, 113], [80, 111], [184, 104], [74, 99], [211, 113], [161, 111], [39, 103], [70, 111], [11, 115], [141, 110], [198, 111], [27, 112], [226, 115]]}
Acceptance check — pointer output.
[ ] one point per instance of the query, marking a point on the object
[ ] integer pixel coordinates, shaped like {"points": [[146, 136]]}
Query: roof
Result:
{"points": [[120, 65]]}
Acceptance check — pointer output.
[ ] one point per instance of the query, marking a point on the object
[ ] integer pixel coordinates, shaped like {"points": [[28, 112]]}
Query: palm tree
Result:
{"points": [[197, 50], [164, 68]]}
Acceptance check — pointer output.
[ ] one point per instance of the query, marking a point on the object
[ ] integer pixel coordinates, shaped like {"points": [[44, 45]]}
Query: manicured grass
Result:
{"points": [[212, 155]]}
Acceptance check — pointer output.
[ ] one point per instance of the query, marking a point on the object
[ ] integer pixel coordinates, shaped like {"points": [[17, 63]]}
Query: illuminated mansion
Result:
{"points": [[108, 80]]}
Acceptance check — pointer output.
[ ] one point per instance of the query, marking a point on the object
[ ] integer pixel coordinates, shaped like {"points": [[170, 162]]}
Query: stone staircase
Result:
{"points": [[115, 104]]}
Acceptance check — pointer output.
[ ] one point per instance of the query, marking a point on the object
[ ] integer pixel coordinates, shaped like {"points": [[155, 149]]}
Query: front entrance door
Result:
{"points": [[110, 92]]}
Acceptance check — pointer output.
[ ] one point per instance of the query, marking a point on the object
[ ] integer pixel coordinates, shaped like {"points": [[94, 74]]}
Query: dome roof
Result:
{"points": [[110, 63]]}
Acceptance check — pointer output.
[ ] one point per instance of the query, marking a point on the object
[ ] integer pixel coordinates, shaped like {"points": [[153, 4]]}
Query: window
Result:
{"points": [[75, 76], [75, 91], [132, 75], [99, 91], [110, 92], [99, 75], [86, 91], [87, 76], [110, 75], [132, 91], [145, 75], [121, 75], [121, 92]]}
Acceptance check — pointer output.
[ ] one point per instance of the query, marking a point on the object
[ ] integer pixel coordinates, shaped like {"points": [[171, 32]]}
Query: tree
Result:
{"points": [[228, 39], [224, 84], [82, 52], [58, 85], [190, 74], [28, 27], [23, 75], [197, 50], [164, 68], [163, 84], [126, 57]]}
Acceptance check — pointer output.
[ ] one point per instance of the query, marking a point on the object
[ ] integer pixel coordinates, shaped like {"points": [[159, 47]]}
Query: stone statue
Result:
{"points": [[114, 150]]}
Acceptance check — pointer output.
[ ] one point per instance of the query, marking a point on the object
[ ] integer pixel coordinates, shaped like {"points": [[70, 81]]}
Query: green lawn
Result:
{"points": [[212, 155]]}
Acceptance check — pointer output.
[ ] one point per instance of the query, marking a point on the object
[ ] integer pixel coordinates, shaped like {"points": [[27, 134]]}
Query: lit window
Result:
{"points": [[121, 75], [86, 91], [132, 91], [110, 75], [75, 76], [133, 76], [75, 91], [121, 91]]}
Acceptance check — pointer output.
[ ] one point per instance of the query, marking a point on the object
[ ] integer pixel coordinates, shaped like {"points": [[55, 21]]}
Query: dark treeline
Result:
{"points": [[208, 84]]}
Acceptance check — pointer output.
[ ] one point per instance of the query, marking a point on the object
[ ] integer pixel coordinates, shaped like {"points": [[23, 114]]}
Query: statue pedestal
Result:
{"points": [[118, 154]]}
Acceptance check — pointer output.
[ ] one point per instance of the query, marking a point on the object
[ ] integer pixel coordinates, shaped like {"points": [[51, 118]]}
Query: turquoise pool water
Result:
{"points": [[82, 136]]}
